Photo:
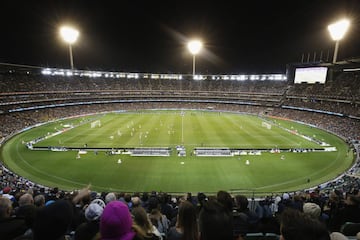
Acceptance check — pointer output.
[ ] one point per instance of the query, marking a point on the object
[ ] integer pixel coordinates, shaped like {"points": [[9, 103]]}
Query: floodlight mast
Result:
{"points": [[71, 57], [337, 31], [194, 47], [70, 36]]}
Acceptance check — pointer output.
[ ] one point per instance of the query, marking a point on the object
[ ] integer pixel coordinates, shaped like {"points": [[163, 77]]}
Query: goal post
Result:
{"points": [[266, 125], [96, 123]]}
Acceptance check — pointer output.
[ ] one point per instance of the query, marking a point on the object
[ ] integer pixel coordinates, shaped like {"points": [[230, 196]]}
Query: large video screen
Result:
{"points": [[310, 75]]}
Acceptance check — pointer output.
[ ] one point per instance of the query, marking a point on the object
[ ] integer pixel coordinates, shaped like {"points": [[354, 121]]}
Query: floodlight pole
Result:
{"points": [[71, 57], [194, 48], [336, 51], [70, 36]]}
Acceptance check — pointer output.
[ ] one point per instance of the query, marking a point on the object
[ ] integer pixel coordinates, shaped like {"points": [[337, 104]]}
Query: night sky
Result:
{"points": [[151, 36]]}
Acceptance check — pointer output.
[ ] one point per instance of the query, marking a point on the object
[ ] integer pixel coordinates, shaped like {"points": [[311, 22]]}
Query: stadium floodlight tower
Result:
{"points": [[70, 36], [337, 31], [194, 47]]}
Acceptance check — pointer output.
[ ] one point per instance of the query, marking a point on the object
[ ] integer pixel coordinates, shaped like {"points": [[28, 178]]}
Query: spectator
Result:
{"points": [[295, 225], [89, 229], [201, 199], [245, 220], [215, 222], [186, 225], [116, 222], [52, 222], [225, 199], [165, 206], [349, 213], [158, 219], [110, 197], [10, 227], [136, 202], [143, 226], [39, 200], [312, 209], [26, 210]]}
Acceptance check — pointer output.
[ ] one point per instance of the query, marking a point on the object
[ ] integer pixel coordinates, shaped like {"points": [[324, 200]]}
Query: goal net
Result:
{"points": [[266, 125], [96, 123]]}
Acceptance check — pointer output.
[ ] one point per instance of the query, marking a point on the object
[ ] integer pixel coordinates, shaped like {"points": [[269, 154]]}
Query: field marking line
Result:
{"points": [[297, 179], [42, 172]]}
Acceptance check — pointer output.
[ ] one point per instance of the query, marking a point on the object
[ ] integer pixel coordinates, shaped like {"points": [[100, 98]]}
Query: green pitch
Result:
{"points": [[268, 172]]}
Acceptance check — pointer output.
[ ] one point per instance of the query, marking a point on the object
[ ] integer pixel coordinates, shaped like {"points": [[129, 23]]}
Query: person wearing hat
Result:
{"points": [[116, 222], [89, 229], [6, 194], [6, 190]]}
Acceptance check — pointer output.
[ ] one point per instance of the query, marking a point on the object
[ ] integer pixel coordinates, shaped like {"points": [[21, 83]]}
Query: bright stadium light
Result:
{"points": [[194, 47], [70, 36], [337, 31]]}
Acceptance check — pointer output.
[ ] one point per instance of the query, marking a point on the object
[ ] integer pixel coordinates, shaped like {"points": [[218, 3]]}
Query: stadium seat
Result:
{"points": [[261, 236], [254, 236], [350, 228], [271, 236]]}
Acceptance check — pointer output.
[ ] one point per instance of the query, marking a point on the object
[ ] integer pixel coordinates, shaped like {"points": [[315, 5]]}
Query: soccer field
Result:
{"points": [[96, 135]]}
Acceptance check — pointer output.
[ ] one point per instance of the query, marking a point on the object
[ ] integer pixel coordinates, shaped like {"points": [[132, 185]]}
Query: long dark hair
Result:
{"points": [[187, 221], [215, 222]]}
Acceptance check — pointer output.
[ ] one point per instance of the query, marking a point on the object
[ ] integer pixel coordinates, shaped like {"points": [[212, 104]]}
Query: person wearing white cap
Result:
{"points": [[90, 228]]}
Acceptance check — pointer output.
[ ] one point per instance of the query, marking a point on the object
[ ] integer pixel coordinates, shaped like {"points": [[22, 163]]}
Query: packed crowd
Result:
{"points": [[345, 85], [39, 213], [324, 105], [17, 82]]}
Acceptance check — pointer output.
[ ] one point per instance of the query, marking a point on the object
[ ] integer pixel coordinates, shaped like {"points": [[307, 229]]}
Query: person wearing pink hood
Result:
{"points": [[116, 222]]}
